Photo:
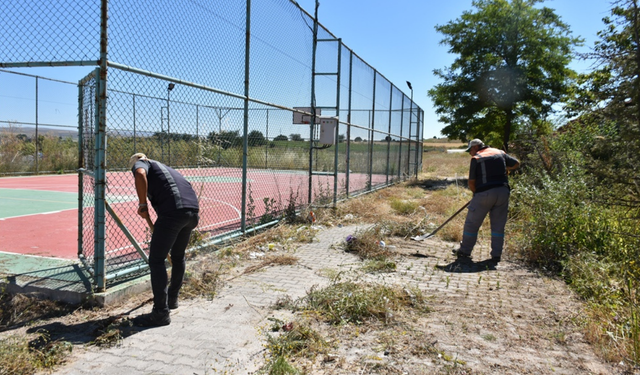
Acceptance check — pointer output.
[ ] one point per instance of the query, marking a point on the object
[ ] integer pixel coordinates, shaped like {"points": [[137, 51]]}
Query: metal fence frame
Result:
{"points": [[390, 116]]}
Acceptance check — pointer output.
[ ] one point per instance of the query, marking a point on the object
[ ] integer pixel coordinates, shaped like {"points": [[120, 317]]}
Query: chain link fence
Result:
{"points": [[42, 138], [212, 89]]}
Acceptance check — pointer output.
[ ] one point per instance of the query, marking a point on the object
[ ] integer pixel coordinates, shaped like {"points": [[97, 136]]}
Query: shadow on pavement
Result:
{"points": [[468, 266], [103, 331]]}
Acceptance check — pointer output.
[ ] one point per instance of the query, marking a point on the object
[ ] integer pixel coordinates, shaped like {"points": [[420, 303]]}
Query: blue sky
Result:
{"points": [[398, 37]]}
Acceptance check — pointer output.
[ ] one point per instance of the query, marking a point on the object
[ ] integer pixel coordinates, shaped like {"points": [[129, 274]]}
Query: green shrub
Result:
{"points": [[403, 207]]}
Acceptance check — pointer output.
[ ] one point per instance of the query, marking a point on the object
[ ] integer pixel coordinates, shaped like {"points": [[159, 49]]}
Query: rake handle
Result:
{"points": [[150, 223], [449, 219]]}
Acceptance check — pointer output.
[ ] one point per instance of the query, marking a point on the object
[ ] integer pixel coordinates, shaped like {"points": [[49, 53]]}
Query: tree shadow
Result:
{"points": [[462, 265], [438, 183]]}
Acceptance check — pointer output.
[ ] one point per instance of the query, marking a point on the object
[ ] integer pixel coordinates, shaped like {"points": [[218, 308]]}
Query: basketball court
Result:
{"points": [[39, 214]]}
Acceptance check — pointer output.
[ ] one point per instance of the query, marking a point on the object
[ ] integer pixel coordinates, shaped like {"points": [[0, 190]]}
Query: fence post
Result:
{"points": [[389, 132], [348, 152], [313, 99], [245, 142], [134, 125], [100, 155], [371, 131], [337, 133], [37, 142], [410, 120], [418, 142], [401, 128], [266, 146], [81, 114]]}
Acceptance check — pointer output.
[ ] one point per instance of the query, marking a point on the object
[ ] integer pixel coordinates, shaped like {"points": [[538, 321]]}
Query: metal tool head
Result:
{"points": [[423, 237]]}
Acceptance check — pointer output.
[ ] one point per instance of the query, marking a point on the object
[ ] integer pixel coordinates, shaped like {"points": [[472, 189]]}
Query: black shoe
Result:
{"points": [[153, 319], [496, 259], [460, 255], [173, 303]]}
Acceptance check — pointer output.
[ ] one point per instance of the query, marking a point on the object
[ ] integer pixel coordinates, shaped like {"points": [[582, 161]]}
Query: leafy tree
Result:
{"points": [[281, 137], [226, 139], [295, 137], [609, 101], [511, 67], [341, 138], [358, 139], [256, 138]]}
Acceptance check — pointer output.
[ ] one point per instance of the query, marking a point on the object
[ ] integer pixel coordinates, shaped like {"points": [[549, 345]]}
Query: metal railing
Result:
{"points": [[211, 89]]}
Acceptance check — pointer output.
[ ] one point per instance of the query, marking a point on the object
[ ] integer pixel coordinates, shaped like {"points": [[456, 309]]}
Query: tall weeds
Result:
{"points": [[570, 220]]}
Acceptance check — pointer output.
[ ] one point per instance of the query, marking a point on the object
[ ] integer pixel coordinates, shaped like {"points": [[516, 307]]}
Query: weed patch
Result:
{"points": [[21, 356], [349, 302], [367, 244], [205, 283], [404, 207], [379, 266], [294, 339]]}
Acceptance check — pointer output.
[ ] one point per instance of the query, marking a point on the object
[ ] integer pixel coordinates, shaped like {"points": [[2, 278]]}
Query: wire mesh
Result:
{"points": [[51, 31], [42, 138], [175, 91], [86, 139]]}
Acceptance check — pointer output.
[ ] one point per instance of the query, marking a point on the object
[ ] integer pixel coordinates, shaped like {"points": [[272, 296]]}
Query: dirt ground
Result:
{"points": [[483, 319]]}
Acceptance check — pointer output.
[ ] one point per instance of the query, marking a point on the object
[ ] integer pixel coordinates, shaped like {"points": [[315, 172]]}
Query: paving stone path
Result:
{"points": [[502, 319]]}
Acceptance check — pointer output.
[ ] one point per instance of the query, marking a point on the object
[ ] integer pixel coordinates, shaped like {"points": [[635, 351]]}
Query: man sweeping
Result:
{"points": [[488, 182], [176, 205]]}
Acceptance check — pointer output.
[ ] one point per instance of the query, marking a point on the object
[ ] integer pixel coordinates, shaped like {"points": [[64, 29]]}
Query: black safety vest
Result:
{"points": [[167, 189], [491, 169]]}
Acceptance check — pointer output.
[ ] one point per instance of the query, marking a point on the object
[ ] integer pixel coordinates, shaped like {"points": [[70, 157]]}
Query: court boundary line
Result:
{"points": [[39, 213], [74, 261]]}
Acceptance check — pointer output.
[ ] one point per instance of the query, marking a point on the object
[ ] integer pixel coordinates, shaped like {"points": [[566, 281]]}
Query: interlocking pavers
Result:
{"points": [[223, 335], [220, 334]]}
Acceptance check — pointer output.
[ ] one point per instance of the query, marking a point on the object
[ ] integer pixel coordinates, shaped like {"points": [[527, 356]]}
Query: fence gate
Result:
{"points": [[86, 172]]}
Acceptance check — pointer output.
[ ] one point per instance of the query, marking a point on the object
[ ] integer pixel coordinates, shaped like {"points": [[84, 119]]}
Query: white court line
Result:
{"points": [[227, 204], [39, 213], [74, 261]]}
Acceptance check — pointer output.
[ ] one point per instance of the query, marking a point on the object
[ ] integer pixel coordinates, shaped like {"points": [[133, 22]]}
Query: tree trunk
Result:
{"points": [[636, 39], [507, 129]]}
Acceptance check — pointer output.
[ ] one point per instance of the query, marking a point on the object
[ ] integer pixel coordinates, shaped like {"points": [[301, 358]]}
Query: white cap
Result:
{"points": [[135, 157]]}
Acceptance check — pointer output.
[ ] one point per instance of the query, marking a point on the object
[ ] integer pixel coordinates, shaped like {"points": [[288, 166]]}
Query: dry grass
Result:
{"points": [[272, 260], [443, 164], [20, 309]]}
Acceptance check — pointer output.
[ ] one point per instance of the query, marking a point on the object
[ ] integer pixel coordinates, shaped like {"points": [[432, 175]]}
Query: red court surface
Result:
{"points": [[50, 234], [55, 233]]}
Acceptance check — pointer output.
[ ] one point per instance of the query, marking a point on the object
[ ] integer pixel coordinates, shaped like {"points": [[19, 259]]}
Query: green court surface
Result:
{"points": [[20, 202]]}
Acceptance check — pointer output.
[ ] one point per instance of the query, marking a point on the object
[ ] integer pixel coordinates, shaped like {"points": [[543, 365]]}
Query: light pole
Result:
{"points": [[169, 88]]}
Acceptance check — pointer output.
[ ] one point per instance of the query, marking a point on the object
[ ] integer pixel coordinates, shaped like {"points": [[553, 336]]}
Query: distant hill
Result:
{"points": [[443, 142], [30, 131]]}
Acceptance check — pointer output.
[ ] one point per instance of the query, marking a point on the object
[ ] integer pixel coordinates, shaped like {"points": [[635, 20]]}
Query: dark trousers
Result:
{"points": [[171, 234], [495, 202]]}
